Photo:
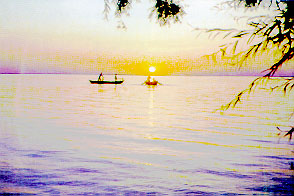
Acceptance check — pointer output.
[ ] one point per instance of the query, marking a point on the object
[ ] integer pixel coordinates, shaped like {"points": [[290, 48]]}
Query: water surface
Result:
{"points": [[59, 134]]}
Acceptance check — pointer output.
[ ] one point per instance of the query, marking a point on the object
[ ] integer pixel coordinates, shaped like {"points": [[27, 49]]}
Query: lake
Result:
{"points": [[61, 135]]}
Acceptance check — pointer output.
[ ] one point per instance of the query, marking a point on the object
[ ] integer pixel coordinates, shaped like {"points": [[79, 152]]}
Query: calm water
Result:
{"points": [[61, 135]]}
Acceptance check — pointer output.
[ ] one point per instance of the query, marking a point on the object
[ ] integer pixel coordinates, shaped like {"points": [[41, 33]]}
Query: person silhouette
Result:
{"points": [[100, 77]]}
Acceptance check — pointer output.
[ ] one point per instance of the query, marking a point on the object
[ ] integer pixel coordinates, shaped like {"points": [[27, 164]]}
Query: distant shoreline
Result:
{"points": [[254, 75]]}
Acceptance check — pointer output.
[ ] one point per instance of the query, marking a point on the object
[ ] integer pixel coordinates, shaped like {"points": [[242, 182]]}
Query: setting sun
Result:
{"points": [[152, 69]]}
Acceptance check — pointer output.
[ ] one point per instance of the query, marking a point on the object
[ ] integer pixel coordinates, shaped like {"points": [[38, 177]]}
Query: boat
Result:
{"points": [[151, 82], [106, 82]]}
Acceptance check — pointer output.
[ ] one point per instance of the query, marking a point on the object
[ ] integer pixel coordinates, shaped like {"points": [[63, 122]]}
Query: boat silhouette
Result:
{"points": [[106, 82]]}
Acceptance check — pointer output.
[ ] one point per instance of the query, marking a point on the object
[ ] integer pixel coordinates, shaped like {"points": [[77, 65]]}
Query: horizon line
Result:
{"points": [[213, 74]]}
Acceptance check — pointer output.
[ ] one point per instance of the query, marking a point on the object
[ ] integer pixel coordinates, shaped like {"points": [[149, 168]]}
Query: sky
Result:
{"points": [[73, 36]]}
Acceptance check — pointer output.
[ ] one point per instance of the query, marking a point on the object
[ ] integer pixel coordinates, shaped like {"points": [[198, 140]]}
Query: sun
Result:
{"points": [[152, 69]]}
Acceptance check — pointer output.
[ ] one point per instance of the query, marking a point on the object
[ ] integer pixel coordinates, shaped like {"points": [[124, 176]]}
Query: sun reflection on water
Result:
{"points": [[151, 107]]}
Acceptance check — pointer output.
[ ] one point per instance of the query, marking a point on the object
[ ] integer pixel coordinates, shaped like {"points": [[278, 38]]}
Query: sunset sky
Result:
{"points": [[72, 36]]}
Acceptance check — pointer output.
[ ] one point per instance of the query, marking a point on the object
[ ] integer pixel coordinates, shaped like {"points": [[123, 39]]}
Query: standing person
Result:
{"points": [[100, 77], [115, 77]]}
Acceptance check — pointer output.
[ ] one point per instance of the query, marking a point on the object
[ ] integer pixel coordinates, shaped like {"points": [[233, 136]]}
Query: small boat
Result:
{"points": [[106, 82], [151, 82]]}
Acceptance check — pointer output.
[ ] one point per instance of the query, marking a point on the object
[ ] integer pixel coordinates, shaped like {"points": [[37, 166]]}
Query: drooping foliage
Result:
{"points": [[165, 10], [274, 34], [121, 4], [277, 33]]}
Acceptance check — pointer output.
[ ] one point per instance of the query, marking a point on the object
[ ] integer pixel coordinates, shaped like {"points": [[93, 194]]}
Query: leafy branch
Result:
{"points": [[274, 35], [165, 10]]}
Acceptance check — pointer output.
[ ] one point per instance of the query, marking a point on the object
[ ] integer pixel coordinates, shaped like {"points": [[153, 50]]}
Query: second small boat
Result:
{"points": [[151, 82]]}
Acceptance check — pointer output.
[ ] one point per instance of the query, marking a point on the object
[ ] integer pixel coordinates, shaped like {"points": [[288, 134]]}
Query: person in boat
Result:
{"points": [[115, 77], [148, 79], [100, 77]]}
